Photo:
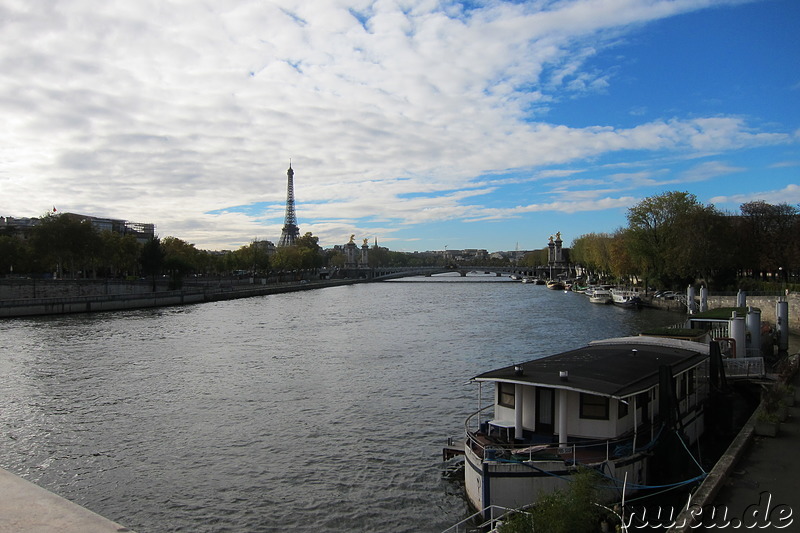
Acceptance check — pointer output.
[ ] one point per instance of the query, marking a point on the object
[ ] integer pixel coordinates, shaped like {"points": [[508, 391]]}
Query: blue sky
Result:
{"points": [[421, 124]]}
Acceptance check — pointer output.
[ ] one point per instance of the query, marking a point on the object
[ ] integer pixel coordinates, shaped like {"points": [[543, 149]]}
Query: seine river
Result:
{"points": [[322, 410]]}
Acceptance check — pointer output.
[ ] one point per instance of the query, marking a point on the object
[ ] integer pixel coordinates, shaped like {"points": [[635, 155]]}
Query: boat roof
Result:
{"points": [[616, 368]]}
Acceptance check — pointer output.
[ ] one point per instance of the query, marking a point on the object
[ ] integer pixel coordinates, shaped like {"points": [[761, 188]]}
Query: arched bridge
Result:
{"points": [[384, 273]]}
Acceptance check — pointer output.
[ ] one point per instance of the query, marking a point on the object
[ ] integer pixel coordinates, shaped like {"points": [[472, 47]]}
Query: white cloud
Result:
{"points": [[164, 111], [788, 195]]}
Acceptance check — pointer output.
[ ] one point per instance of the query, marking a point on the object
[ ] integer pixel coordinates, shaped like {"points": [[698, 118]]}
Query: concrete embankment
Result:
{"points": [[25, 507], [22, 307], [766, 303]]}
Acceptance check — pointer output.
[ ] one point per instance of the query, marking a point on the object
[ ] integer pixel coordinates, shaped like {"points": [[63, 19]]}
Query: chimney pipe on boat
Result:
{"points": [[691, 305], [737, 331]]}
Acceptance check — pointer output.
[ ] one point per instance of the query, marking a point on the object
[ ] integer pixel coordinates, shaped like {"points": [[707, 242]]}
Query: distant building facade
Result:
{"points": [[22, 227]]}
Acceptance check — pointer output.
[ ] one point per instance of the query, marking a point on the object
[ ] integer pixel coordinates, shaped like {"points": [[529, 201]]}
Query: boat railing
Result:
{"points": [[489, 519], [744, 367], [610, 448]]}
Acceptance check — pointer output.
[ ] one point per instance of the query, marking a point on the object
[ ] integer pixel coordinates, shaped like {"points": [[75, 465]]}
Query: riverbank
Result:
{"points": [[20, 298], [766, 303], [135, 296], [28, 507], [753, 485]]}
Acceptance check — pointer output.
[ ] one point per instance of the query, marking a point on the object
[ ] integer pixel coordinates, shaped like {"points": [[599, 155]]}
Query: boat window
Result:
{"points": [[690, 380], [594, 407], [622, 409], [505, 394]]}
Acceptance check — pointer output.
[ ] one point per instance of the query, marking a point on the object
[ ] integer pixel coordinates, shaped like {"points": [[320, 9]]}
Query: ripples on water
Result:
{"points": [[321, 410]]}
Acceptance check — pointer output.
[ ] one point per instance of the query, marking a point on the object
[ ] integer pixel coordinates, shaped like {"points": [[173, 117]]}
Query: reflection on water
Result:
{"points": [[320, 410]]}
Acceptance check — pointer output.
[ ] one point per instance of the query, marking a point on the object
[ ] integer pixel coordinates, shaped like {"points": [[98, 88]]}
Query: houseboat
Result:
{"points": [[604, 405]]}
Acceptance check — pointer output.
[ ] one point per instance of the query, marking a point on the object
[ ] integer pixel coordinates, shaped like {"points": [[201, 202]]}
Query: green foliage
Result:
{"points": [[563, 511], [517, 523], [593, 252], [151, 259], [66, 242], [15, 256], [773, 234], [305, 254], [662, 236], [672, 240], [119, 253], [534, 258]]}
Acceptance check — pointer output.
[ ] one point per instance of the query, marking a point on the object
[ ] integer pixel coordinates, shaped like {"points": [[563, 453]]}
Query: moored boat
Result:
{"points": [[625, 297], [604, 406], [555, 284], [600, 296]]}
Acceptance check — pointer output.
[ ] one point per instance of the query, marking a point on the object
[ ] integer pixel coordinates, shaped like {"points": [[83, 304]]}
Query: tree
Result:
{"points": [[622, 265], [287, 258], [180, 259], [304, 254], [593, 252], [310, 251], [15, 256], [118, 253], [378, 256], [770, 232], [152, 259], [535, 258], [335, 258], [66, 240], [664, 236]]}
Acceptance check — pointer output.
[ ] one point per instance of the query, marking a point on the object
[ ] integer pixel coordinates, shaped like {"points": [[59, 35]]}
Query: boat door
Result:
{"points": [[545, 410]]}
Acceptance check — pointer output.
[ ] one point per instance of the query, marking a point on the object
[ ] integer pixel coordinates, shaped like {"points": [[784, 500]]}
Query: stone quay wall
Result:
{"points": [[62, 297], [766, 303]]}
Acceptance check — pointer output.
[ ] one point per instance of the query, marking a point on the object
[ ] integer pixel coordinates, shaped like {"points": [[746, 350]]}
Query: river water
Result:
{"points": [[322, 410]]}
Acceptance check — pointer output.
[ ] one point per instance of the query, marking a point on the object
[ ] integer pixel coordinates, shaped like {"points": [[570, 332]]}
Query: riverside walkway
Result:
{"points": [[27, 508], [754, 485]]}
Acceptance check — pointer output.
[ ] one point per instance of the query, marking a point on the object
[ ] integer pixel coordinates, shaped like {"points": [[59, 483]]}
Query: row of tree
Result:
{"points": [[671, 240], [66, 245]]}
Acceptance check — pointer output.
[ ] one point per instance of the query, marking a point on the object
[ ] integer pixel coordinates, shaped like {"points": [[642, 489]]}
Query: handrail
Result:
{"points": [[492, 522], [575, 446], [478, 412]]}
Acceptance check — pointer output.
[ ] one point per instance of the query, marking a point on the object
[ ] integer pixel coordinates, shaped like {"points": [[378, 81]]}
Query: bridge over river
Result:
{"points": [[384, 273]]}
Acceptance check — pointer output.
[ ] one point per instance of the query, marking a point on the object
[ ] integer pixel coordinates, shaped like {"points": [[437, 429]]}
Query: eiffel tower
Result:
{"points": [[290, 231]]}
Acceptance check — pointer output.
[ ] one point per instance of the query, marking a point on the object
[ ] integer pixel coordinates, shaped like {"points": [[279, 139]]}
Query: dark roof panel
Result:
{"points": [[617, 367]]}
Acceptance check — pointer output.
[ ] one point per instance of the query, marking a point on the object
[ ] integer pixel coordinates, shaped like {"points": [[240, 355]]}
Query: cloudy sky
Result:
{"points": [[425, 124]]}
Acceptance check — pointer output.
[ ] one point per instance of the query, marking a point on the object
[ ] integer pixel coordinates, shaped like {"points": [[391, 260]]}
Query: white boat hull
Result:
{"points": [[515, 485]]}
